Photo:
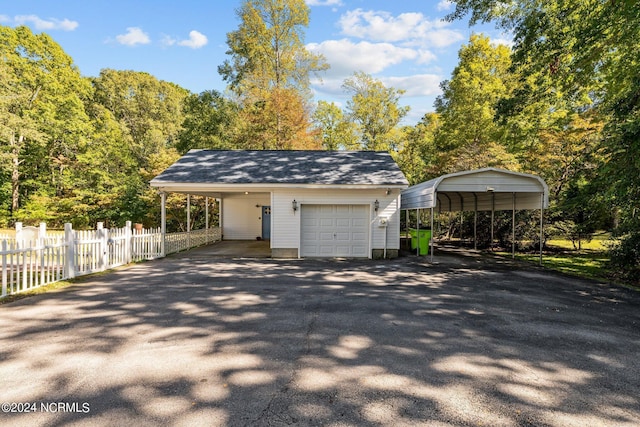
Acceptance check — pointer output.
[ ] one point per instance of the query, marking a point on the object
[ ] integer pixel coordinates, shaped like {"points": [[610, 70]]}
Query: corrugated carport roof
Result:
{"points": [[481, 189]]}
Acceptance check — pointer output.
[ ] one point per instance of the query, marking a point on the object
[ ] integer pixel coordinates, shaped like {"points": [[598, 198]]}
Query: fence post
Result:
{"points": [[71, 251], [128, 242], [42, 232], [4, 267], [19, 235], [102, 235]]}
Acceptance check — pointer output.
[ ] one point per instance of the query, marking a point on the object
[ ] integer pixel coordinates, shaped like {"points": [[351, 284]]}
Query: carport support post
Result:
{"points": [[431, 237], [418, 232], [493, 209], [541, 223], [163, 220]]}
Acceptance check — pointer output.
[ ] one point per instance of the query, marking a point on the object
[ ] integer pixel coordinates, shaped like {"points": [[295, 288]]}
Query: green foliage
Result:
{"points": [[150, 111], [269, 73], [374, 109], [267, 51], [43, 124], [209, 122], [468, 135], [334, 130], [417, 151], [625, 258]]}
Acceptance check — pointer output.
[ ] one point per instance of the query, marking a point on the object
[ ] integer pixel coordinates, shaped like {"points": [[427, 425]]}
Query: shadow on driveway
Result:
{"points": [[229, 342]]}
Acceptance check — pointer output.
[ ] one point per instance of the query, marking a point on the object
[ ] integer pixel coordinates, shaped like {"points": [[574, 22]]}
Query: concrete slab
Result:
{"points": [[196, 341], [230, 249]]}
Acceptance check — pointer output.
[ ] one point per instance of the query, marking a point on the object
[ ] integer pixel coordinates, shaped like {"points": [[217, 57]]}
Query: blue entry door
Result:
{"points": [[266, 222]]}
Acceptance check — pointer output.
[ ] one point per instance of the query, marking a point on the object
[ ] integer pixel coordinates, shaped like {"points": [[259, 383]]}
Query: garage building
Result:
{"points": [[306, 203]]}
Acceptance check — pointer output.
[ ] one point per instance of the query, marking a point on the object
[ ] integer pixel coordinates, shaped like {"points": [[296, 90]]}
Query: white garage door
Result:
{"points": [[335, 231]]}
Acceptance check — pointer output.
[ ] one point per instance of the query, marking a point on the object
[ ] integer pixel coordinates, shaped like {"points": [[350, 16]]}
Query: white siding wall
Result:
{"points": [[285, 232], [241, 219]]}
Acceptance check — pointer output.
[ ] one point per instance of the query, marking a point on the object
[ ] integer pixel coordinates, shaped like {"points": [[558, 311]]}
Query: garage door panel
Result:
{"points": [[343, 237], [343, 209], [358, 222], [325, 237], [326, 251], [335, 230], [343, 222]]}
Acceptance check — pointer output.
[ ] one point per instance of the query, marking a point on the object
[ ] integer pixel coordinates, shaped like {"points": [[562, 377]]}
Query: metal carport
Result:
{"points": [[487, 189]]}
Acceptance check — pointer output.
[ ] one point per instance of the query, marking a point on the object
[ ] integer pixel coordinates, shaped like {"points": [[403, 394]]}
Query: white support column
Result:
{"points": [[206, 213], [513, 229], [189, 221], [163, 221], [475, 221]]}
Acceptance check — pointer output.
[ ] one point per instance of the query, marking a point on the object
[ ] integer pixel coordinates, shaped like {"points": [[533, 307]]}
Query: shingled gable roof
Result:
{"points": [[283, 167]]}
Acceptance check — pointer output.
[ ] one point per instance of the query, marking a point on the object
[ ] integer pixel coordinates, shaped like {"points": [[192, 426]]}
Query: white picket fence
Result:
{"points": [[34, 257]]}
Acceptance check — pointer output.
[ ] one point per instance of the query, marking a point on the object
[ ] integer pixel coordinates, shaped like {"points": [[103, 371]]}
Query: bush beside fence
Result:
{"points": [[35, 257]]}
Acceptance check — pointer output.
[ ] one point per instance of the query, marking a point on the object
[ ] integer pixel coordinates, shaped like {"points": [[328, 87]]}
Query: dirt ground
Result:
{"points": [[192, 340]]}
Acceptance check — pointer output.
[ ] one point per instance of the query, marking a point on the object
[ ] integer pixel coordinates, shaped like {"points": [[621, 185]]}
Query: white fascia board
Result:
{"points": [[180, 187]]}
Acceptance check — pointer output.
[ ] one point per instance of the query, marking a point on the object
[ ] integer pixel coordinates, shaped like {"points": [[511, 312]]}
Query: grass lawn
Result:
{"points": [[35, 291], [585, 263], [589, 262]]}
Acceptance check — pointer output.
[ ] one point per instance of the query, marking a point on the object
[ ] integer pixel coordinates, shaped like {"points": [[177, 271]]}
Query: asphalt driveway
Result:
{"points": [[191, 341]]}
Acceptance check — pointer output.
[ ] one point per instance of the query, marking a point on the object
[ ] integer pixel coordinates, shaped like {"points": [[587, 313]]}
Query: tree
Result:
{"points": [[269, 70], [374, 108], [210, 121], [417, 150], [106, 177], [278, 122], [334, 130], [149, 110], [43, 123], [469, 136]]}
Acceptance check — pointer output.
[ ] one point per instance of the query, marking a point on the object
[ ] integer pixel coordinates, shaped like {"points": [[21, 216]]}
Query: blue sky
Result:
{"points": [[403, 43]]}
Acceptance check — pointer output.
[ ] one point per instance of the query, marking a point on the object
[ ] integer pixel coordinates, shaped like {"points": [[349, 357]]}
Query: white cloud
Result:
{"points": [[411, 29], [346, 57], [507, 42], [134, 36], [46, 25], [196, 40], [168, 41], [442, 37], [324, 2], [444, 5], [416, 85], [4, 18]]}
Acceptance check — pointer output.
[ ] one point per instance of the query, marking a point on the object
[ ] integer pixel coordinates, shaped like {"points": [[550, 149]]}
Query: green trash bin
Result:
{"points": [[421, 237]]}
